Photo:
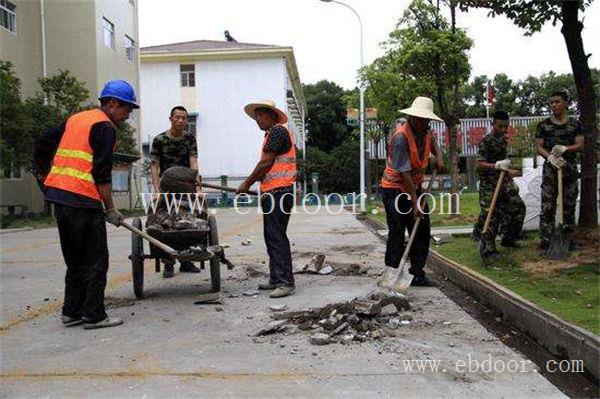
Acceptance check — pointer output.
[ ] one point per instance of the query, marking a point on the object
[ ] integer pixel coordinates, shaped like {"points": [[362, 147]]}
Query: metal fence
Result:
{"points": [[470, 132]]}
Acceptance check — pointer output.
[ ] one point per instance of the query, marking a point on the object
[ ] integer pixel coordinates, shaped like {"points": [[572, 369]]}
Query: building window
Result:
{"points": [[188, 75], [192, 123], [8, 15], [129, 48], [12, 173], [108, 33]]}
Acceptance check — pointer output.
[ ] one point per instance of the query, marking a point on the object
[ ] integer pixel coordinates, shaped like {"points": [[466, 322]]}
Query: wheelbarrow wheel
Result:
{"points": [[137, 260], [215, 263]]}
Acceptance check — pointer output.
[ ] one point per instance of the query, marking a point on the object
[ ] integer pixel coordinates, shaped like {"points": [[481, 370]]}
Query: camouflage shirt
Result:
{"points": [[553, 134], [491, 149], [169, 151]]}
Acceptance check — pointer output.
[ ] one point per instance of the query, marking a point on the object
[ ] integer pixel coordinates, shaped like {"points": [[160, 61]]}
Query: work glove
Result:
{"points": [[558, 150], [557, 162], [114, 217], [503, 165]]}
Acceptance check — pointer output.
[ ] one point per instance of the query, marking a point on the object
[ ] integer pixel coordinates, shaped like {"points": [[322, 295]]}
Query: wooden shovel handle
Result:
{"points": [[413, 232], [224, 188], [560, 197], [150, 239], [488, 218]]}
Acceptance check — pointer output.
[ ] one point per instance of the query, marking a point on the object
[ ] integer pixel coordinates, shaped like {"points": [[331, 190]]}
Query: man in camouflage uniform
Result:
{"points": [[175, 147], [558, 139], [510, 209]]}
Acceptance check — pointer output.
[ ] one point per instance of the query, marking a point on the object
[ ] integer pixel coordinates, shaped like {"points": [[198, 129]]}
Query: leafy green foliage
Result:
{"points": [[15, 142], [339, 171], [423, 57], [326, 115]]}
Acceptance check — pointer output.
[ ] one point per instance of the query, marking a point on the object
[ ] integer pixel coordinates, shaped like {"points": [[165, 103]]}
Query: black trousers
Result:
{"points": [[83, 242], [276, 207], [398, 223]]}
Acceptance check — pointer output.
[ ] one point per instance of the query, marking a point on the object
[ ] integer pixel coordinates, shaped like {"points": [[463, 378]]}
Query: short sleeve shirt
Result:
{"points": [[555, 134], [400, 154], [491, 149], [170, 151], [278, 140]]}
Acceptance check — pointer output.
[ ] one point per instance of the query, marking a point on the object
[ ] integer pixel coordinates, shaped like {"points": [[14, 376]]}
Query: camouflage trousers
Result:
{"points": [[549, 197], [508, 215]]}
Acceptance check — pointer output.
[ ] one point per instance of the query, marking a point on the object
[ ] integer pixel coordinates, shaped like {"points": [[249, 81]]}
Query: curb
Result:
{"points": [[559, 337], [9, 231]]}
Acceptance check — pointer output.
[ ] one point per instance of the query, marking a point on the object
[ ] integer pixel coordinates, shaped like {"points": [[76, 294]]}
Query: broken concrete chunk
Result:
{"points": [[394, 322], [278, 308], [389, 309], [250, 293], [440, 239], [246, 241], [211, 298], [376, 334], [326, 270], [272, 327], [406, 316], [320, 339], [339, 329]]}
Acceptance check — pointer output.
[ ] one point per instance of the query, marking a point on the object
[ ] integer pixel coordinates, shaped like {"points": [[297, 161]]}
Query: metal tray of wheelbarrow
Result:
{"points": [[179, 240]]}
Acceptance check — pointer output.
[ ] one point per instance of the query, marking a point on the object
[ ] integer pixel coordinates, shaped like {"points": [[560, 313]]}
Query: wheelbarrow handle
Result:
{"points": [[224, 188], [170, 251]]}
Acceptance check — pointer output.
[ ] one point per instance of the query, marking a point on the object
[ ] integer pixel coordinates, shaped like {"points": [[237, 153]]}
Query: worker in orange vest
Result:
{"points": [[276, 171], [408, 153], [74, 162]]}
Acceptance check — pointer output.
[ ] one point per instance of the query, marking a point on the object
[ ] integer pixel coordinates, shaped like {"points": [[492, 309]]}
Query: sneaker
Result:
{"points": [[423, 281], [107, 322], [282, 291], [169, 271], [267, 286], [69, 321], [188, 267]]}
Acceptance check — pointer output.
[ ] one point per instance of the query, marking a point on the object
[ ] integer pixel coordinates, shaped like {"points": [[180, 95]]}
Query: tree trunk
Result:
{"points": [[571, 30]]}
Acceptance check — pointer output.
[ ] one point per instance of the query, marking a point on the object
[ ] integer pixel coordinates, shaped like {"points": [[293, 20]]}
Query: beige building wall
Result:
{"points": [[70, 40], [24, 48]]}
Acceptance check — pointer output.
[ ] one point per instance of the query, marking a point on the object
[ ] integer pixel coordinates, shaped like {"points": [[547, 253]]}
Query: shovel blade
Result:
{"points": [[559, 244], [403, 281]]}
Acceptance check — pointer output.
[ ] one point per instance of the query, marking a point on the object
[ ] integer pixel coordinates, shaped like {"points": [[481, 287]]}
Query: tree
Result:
{"points": [[326, 115], [15, 141], [425, 55], [531, 16]]}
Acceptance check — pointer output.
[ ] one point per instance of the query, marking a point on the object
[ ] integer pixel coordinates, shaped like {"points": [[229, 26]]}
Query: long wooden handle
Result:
{"points": [[224, 188], [150, 239], [488, 219], [413, 232], [560, 197]]}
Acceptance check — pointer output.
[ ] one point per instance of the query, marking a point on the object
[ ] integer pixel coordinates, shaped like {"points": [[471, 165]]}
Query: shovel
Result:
{"points": [[558, 249], [224, 188], [488, 218], [404, 278], [170, 251]]}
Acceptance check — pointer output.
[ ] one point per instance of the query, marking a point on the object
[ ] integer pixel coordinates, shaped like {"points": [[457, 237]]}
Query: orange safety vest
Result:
{"points": [[72, 165], [391, 177], [283, 171]]}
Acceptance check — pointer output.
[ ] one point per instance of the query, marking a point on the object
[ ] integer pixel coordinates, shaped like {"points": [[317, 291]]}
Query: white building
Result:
{"points": [[214, 80]]}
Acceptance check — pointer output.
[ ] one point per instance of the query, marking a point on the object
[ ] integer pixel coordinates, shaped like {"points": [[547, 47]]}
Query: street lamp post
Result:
{"points": [[361, 113]]}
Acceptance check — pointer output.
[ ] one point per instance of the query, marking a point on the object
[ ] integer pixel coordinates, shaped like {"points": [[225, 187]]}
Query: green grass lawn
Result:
{"points": [[468, 208], [569, 289]]}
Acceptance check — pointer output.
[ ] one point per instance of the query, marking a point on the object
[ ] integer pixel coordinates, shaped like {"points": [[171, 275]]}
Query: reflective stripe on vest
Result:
{"points": [[391, 177], [73, 162], [283, 171]]}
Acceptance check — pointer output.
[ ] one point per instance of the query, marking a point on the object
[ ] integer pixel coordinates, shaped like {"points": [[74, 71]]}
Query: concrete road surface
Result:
{"points": [[170, 347]]}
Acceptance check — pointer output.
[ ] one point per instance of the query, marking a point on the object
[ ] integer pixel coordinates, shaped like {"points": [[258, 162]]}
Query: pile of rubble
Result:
{"points": [[359, 320]]}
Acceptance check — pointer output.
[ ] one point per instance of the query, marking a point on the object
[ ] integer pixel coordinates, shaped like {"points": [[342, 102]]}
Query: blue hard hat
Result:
{"points": [[121, 90]]}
